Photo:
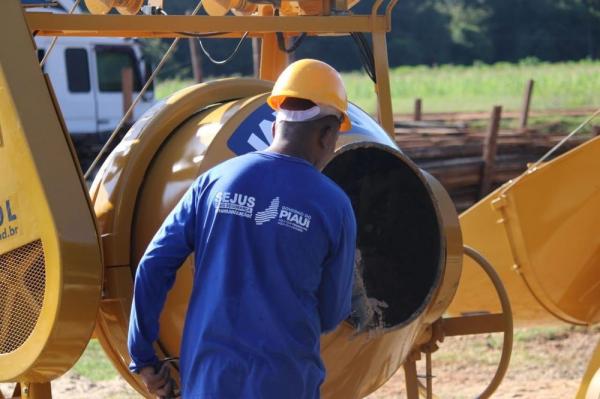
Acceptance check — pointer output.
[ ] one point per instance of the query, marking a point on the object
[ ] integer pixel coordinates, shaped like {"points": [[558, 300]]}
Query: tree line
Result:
{"points": [[432, 32]]}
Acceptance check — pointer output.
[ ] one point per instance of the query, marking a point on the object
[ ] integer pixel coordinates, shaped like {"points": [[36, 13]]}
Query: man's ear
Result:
{"points": [[324, 133], [328, 135]]}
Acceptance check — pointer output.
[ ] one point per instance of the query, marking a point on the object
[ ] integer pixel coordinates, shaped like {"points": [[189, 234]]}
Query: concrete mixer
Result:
{"points": [[414, 270], [68, 256]]}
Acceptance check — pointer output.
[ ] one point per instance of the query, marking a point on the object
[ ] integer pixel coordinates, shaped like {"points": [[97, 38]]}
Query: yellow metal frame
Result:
{"points": [[273, 61], [84, 25], [35, 151], [466, 325]]}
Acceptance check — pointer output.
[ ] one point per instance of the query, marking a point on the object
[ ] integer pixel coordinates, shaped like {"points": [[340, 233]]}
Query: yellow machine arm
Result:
{"points": [[542, 233]]}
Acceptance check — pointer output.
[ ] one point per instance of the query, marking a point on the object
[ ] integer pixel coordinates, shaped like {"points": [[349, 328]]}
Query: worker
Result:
{"points": [[273, 242]]}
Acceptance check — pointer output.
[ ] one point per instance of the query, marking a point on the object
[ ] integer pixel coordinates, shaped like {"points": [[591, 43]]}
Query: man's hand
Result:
{"points": [[160, 384]]}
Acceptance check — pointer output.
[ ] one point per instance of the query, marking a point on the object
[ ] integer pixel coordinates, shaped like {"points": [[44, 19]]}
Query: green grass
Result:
{"points": [[473, 88], [478, 88], [166, 88], [94, 364]]}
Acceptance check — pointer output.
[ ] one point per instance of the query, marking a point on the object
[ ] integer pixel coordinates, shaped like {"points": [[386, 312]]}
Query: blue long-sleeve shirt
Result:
{"points": [[273, 243]]}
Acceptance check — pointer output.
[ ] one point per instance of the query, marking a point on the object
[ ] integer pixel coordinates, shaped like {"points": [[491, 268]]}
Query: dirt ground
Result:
{"points": [[546, 363]]}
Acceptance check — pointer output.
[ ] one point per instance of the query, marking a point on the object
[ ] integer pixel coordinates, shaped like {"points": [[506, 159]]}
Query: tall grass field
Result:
{"points": [[450, 88]]}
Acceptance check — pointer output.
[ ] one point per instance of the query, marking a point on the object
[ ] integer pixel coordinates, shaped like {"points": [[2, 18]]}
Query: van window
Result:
{"points": [[111, 61], [78, 76]]}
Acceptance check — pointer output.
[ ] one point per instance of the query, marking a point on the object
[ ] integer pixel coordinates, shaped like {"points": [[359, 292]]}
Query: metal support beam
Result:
{"points": [[44, 24], [272, 60], [36, 390], [411, 380], [382, 87]]}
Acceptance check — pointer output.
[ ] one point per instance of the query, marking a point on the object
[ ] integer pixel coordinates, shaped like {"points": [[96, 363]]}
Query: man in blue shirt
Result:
{"points": [[274, 243]]}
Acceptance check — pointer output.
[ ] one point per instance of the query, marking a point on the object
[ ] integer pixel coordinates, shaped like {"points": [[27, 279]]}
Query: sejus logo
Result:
{"points": [[8, 218], [294, 219], [234, 204]]}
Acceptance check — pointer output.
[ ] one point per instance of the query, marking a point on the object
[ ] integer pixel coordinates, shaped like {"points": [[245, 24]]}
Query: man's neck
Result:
{"points": [[291, 151]]}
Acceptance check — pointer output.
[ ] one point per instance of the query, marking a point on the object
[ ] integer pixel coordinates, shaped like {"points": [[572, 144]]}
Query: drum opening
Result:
{"points": [[398, 231]]}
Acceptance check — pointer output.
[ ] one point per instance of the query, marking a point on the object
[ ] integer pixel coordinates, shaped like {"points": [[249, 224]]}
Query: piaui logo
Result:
{"points": [[294, 219], [268, 214]]}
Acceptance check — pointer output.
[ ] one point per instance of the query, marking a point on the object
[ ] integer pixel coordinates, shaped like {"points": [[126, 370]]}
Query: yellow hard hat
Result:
{"points": [[315, 81]]}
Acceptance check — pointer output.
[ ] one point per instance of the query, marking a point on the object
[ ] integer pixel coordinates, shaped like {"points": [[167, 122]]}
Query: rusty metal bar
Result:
{"points": [[410, 377], [478, 324]]}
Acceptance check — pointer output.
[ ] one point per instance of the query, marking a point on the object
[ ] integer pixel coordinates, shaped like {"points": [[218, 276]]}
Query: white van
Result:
{"points": [[86, 76]]}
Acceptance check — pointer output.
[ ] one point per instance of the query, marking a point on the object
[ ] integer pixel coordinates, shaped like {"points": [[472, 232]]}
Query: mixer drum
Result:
{"points": [[408, 234]]}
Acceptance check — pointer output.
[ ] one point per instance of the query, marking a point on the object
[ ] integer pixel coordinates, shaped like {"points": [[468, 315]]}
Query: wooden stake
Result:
{"points": [[127, 89], [489, 151], [256, 55], [526, 104], [418, 109]]}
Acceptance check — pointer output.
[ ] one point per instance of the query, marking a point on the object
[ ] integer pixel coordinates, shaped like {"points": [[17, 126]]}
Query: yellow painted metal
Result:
{"points": [[382, 87], [51, 270], [99, 6], [272, 60], [125, 7], [216, 8], [177, 25], [155, 164], [542, 232], [590, 384], [507, 324]]}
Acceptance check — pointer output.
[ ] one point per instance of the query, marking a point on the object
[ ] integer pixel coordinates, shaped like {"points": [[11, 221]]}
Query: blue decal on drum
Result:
{"points": [[254, 133]]}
